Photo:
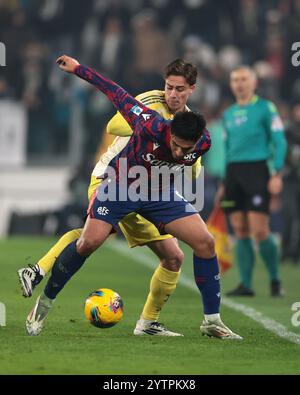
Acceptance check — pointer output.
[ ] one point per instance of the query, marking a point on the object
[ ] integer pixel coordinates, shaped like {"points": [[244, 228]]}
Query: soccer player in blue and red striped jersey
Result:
{"points": [[155, 142]]}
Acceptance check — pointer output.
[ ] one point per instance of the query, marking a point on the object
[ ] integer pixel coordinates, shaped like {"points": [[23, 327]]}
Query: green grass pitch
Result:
{"points": [[70, 345]]}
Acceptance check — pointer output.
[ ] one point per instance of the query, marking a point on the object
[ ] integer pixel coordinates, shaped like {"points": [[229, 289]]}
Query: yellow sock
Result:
{"points": [[162, 285], [48, 260]]}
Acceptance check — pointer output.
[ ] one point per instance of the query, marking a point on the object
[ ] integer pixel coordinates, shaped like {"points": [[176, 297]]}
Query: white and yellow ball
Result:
{"points": [[103, 308]]}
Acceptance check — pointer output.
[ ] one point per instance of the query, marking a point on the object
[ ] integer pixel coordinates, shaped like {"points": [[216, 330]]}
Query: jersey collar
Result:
{"points": [[252, 101]]}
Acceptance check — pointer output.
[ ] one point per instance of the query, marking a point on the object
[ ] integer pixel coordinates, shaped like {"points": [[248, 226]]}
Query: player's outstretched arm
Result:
{"points": [[129, 107]]}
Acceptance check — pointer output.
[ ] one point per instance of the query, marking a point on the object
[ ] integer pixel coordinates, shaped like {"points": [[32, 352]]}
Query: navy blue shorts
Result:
{"points": [[159, 212]]}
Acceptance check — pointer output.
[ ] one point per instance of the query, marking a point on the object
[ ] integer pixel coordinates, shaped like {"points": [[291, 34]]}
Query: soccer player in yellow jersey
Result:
{"points": [[180, 80]]}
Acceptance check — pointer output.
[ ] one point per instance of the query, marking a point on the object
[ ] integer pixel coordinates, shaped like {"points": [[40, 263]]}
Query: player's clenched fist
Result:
{"points": [[67, 64]]}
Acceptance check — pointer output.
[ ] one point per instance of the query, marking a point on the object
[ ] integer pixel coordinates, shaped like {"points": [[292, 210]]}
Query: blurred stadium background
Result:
{"points": [[51, 125]]}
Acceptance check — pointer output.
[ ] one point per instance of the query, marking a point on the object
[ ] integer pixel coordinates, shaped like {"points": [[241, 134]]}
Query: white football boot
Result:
{"points": [[216, 328], [145, 327], [29, 278], [35, 319]]}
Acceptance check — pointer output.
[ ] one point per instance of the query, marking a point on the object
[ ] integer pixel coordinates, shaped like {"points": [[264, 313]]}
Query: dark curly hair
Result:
{"points": [[188, 125]]}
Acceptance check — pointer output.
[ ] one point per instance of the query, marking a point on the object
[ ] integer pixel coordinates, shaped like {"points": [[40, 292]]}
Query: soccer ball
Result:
{"points": [[103, 308]]}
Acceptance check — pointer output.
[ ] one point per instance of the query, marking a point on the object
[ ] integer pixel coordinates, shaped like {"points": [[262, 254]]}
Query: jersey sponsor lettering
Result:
{"points": [[150, 158]]}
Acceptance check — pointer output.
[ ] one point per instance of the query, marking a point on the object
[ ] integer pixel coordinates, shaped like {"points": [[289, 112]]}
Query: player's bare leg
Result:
{"points": [[193, 231]]}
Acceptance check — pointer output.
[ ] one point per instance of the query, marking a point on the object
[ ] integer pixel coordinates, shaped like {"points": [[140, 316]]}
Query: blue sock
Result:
{"points": [[65, 266], [207, 277]]}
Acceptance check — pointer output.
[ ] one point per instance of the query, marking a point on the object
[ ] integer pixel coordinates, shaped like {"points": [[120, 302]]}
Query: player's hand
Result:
{"points": [[67, 64], [219, 195], [275, 184]]}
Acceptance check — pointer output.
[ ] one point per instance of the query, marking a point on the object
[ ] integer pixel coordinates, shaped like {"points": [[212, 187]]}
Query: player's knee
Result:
{"points": [[174, 261], [86, 247], [261, 234], [205, 247], [210, 245], [241, 232]]}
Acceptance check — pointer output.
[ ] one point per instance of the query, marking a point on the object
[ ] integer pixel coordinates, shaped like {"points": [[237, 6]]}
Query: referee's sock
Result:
{"points": [[207, 277], [245, 257], [66, 265], [270, 255]]}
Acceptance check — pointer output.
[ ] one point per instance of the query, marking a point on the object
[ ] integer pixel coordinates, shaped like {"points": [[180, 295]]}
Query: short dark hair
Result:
{"points": [[182, 68], [188, 125], [244, 67]]}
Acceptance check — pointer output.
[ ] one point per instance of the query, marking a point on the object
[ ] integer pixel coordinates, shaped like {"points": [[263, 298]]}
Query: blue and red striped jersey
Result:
{"points": [[149, 144]]}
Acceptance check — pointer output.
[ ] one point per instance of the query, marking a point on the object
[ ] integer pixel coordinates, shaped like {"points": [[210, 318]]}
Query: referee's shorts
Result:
{"points": [[246, 187]]}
